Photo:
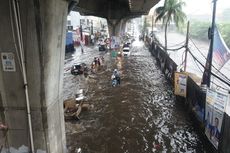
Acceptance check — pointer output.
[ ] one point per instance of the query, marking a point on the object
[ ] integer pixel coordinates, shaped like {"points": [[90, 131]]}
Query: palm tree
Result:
{"points": [[170, 12]]}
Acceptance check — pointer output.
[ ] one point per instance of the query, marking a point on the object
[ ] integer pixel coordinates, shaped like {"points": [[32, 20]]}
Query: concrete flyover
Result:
{"points": [[115, 10], [32, 42]]}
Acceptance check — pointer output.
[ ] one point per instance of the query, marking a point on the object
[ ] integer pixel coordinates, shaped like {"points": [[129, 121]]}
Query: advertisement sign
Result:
{"points": [[8, 62], [180, 84], [215, 108], [115, 42]]}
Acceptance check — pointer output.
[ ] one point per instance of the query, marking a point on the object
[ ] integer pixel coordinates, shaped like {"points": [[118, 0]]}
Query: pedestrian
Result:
{"points": [[82, 48], [95, 61], [117, 76], [98, 61], [102, 59]]}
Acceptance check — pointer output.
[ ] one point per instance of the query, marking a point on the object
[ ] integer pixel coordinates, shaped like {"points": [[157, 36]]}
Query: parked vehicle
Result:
{"points": [[69, 47], [126, 45], [77, 69], [102, 47], [114, 82]]}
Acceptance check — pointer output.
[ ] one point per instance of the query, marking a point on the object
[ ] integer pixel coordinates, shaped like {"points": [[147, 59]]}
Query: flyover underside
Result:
{"points": [[115, 9], [117, 12]]}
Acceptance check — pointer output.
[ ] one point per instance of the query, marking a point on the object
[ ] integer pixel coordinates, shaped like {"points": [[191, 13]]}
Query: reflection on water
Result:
{"points": [[139, 116]]}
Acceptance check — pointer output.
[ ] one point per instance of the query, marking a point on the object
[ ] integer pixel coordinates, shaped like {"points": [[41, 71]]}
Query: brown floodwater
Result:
{"points": [[139, 116]]}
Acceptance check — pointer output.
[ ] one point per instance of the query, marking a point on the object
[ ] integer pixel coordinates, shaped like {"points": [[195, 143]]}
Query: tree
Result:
{"points": [[170, 12], [145, 26]]}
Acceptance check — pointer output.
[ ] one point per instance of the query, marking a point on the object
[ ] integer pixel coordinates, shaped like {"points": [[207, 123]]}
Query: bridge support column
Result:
{"points": [[43, 37], [116, 27]]}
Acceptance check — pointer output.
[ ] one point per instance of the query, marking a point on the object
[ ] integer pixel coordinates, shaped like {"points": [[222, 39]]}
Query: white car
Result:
{"points": [[126, 51]]}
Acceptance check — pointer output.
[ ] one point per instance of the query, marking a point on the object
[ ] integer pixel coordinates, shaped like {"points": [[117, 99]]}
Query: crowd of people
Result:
{"points": [[97, 62]]}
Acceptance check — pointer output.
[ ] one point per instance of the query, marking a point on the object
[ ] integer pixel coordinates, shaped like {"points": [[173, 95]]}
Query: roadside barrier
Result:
{"points": [[195, 99]]}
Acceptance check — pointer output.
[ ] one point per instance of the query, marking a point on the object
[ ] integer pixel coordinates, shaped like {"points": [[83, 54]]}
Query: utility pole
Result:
{"points": [[186, 48], [91, 27], [81, 29], [152, 23], [209, 65]]}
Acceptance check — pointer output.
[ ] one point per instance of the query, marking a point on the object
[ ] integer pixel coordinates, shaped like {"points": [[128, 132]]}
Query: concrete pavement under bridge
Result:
{"points": [[32, 57]]}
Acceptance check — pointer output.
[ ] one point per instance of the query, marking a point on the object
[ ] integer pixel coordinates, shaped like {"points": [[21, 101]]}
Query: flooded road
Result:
{"points": [[139, 116]]}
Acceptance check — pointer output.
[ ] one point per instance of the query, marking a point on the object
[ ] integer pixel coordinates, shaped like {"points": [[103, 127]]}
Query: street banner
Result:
{"points": [[221, 53], [115, 42], [180, 84], [214, 114]]}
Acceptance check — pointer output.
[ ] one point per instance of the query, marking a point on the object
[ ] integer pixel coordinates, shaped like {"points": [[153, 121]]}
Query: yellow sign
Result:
{"points": [[180, 84]]}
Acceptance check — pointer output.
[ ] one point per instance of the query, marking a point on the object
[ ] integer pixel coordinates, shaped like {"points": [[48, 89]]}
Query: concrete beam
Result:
{"points": [[116, 27], [114, 9], [43, 31]]}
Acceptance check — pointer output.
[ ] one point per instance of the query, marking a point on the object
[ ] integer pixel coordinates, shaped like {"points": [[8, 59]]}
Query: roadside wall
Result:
{"points": [[195, 100]]}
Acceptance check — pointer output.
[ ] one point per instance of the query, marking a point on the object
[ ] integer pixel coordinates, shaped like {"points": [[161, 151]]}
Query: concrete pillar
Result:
{"points": [[116, 27], [43, 32]]}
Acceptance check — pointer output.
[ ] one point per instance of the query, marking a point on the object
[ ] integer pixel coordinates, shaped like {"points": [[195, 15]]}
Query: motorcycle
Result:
{"points": [[114, 82]]}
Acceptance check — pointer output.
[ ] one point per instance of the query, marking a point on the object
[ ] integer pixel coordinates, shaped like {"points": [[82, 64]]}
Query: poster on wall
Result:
{"points": [[8, 62], [227, 110], [228, 106], [215, 108], [180, 84]]}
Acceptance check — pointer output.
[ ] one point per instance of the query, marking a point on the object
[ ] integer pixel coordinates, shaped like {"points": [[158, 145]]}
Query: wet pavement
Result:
{"points": [[139, 116]]}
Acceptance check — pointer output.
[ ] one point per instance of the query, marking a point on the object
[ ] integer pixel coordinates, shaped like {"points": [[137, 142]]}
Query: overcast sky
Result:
{"points": [[200, 7]]}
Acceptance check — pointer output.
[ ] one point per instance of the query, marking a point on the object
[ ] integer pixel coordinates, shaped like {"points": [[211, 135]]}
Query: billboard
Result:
{"points": [[115, 42], [215, 108]]}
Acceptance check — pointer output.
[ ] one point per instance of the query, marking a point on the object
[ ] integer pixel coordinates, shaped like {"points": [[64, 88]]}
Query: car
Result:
{"points": [[79, 68], [126, 51], [102, 47], [126, 45]]}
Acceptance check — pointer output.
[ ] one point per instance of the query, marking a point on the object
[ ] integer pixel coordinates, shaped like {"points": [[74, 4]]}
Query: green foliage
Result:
{"points": [[225, 32], [226, 15], [199, 30], [171, 12], [144, 29]]}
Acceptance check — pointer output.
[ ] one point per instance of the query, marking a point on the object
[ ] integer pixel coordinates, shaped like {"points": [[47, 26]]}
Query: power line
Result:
{"points": [[211, 72], [227, 81], [169, 49], [177, 44], [196, 47], [206, 59], [224, 81], [218, 86], [198, 66]]}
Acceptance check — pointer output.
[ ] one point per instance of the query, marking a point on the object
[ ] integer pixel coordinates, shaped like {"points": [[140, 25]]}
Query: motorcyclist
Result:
{"points": [[117, 76]]}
